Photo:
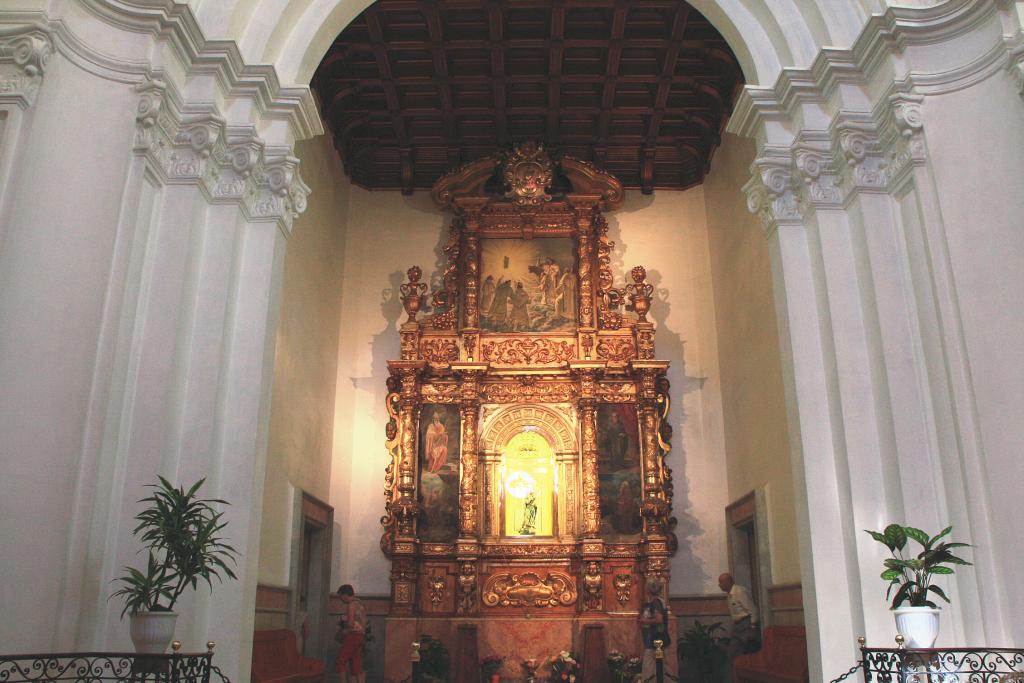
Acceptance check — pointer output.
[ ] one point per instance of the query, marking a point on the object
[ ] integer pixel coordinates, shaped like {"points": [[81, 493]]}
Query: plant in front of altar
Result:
{"points": [[490, 666], [910, 576], [703, 650], [564, 667], [435, 660], [182, 536], [623, 669]]}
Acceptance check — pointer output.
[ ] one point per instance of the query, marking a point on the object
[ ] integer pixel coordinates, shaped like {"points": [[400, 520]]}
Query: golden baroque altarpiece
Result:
{"points": [[527, 432]]}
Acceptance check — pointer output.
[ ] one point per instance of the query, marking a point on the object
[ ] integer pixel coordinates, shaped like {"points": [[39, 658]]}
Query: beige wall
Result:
{"points": [[302, 410], [753, 404]]}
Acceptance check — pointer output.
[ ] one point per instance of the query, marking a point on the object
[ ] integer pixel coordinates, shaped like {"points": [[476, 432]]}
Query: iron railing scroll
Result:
{"points": [[942, 665], [108, 667]]}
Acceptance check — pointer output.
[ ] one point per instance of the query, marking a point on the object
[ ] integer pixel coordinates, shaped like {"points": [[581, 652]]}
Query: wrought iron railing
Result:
{"points": [[943, 665], [113, 667]]}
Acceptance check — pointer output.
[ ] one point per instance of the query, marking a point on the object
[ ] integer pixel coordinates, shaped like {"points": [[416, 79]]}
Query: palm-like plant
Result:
{"points": [[182, 536], [911, 576]]}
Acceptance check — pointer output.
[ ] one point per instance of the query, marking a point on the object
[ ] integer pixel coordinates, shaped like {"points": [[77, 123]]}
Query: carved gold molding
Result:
{"points": [[528, 351], [528, 589]]}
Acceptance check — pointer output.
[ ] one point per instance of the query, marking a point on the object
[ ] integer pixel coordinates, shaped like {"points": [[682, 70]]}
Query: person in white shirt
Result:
{"points": [[743, 614]]}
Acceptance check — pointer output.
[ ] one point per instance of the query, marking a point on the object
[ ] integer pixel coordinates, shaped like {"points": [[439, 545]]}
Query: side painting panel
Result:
{"points": [[618, 463], [440, 430]]}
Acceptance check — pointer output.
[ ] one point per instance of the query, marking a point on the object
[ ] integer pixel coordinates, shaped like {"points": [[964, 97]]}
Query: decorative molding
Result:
{"points": [[174, 24], [230, 164], [539, 351], [528, 589], [25, 51], [815, 168], [771, 194], [883, 36]]}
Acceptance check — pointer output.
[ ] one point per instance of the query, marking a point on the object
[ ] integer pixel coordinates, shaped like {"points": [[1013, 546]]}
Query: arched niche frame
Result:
{"points": [[553, 422]]}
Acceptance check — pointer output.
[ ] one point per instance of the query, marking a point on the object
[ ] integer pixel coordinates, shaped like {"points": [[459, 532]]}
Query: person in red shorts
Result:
{"points": [[352, 626]]}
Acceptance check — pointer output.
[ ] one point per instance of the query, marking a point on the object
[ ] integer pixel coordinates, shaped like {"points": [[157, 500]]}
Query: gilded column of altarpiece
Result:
{"points": [[527, 432]]}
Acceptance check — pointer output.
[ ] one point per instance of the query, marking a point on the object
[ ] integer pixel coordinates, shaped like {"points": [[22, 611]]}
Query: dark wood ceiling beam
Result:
{"points": [[413, 87], [555, 55], [495, 30], [611, 79], [444, 89], [391, 93]]}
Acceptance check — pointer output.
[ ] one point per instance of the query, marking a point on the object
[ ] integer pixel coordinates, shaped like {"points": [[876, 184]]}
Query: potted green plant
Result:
{"points": [[181, 534], [435, 661], [702, 649], [917, 615]]}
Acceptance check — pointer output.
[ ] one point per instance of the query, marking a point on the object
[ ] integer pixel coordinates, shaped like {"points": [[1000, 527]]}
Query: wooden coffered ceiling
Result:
{"points": [[642, 88]]}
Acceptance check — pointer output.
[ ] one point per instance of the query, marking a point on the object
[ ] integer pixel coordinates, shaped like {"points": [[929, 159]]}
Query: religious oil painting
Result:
{"points": [[618, 463], [527, 285], [528, 484], [439, 473]]}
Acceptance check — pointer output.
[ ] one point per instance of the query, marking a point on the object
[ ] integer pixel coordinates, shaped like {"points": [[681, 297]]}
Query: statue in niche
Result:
{"points": [[529, 527]]}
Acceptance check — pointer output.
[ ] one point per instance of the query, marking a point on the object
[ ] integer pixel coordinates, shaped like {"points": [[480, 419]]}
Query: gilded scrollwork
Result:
{"points": [[616, 349], [439, 351], [438, 584], [527, 550], [528, 173], [528, 589], [610, 299], [392, 444], [535, 351], [444, 300], [616, 392], [440, 393], [529, 390], [466, 603], [623, 587], [592, 583]]}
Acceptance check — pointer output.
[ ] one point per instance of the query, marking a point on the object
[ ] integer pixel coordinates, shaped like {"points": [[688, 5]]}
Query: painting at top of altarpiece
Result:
{"points": [[527, 285], [618, 466], [439, 473]]}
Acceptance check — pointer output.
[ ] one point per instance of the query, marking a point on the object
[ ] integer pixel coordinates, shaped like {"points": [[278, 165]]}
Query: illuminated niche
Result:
{"points": [[529, 486]]}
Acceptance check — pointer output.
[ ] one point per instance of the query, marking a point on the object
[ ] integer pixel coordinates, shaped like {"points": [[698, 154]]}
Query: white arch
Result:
{"points": [[766, 35]]}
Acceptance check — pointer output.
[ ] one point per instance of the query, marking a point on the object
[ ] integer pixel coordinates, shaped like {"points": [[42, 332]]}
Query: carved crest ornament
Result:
{"points": [[527, 427]]}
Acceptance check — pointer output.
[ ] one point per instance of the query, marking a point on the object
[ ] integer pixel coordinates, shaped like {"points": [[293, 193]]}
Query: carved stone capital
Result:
{"points": [[864, 165], [771, 193], [906, 137], [24, 53], [231, 163], [814, 167]]}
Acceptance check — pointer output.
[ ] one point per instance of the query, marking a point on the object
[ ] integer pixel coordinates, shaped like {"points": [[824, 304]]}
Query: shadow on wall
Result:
{"points": [[669, 344]]}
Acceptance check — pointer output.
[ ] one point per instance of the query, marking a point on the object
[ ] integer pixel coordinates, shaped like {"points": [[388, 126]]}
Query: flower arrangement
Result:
{"points": [[490, 665], [624, 669], [564, 667]]}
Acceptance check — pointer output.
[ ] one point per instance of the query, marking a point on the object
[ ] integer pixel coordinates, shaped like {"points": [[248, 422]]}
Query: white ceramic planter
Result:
{"points": [[919, 626], [152, 632]]}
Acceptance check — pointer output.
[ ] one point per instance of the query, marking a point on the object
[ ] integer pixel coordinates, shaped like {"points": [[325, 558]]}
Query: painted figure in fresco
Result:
{"points": [[616, 443], [549, 281], [529, 526], [437, 444], [520, 319], [565, 298], [499, 307], [626, 518], [487, 294]]}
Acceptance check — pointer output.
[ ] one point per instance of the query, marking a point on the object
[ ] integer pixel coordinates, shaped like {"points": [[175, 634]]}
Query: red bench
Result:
{"points": [[782, 658], [276, 659]]}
